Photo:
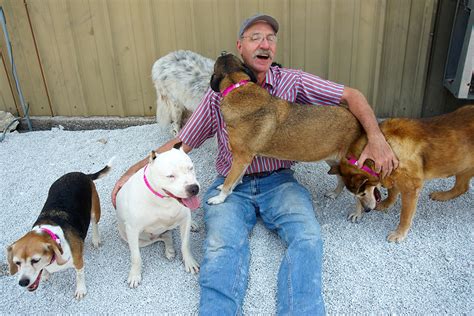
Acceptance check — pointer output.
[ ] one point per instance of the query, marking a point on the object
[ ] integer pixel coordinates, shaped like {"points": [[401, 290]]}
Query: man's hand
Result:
{"points": [[381, 153]]}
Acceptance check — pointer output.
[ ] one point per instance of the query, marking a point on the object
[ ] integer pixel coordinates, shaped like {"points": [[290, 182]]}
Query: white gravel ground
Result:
{"points": [[430, 273]]}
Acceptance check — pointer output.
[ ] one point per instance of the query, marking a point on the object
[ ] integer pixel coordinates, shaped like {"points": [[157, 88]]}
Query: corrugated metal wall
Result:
{"points": [[96, 55]]}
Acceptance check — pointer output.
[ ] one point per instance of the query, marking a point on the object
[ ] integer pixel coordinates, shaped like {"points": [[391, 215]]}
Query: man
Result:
{"points": [[268, 189]]}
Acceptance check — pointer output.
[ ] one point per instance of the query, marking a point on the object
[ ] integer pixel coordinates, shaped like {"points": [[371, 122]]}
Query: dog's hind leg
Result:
{"points": [[95, 216], [167, 238], [460, 187]]}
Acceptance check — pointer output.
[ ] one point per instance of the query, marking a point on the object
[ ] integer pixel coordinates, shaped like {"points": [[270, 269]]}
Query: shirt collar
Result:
{"points": [[270, 78]]}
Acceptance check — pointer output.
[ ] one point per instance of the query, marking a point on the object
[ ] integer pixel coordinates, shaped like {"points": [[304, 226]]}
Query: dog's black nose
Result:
{"points": [[24, 282], [192, 189], [367, 210]]}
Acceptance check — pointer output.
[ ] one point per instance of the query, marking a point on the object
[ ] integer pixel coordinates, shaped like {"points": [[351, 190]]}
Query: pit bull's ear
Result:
{"points": [[250, 73], [215, 81], [58, 252], [178, 145], [12, 266], [152, 156], [334, 170]]}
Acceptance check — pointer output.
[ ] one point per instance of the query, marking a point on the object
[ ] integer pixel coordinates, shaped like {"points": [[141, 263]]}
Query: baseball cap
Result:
{"points": [[258, 17]]}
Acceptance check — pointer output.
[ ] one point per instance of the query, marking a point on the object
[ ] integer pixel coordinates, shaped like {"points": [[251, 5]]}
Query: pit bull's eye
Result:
{"points": [[33, 261]]}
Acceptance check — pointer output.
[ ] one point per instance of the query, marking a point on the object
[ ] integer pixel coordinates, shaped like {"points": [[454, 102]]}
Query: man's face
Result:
{"points": [[257, 54]]}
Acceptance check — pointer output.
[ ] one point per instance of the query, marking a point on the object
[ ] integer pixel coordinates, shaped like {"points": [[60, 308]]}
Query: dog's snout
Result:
{"points": [[24, 282], [192, 189], [367, 209]]}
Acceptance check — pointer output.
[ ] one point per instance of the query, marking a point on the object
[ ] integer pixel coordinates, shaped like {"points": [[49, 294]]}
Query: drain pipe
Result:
{"points": [[10, 55]]}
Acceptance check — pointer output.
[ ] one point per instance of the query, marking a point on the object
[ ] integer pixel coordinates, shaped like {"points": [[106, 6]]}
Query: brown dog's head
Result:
{"points": [[232, 69], [30, 255], [360, 183]]}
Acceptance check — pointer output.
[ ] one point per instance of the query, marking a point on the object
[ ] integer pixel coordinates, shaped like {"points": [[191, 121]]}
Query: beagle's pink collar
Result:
{"points": [[234, 86], [353, 162], [53, 237]]}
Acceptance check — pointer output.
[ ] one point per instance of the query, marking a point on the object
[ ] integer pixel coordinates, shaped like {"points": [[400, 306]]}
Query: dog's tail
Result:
{"points": [[103, 172]]}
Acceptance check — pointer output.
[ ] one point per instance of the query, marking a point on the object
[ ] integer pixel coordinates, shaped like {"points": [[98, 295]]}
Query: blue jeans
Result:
{"points": [[285, 207]]}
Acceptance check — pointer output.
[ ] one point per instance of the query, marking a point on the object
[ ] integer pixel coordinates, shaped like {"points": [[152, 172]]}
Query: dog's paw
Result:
{"points": [[332, 194], [45, 275], [96, 242], [355, 217], [80, 292], [440, 196], [194, 226], [396, 236], [170, 253], [191, 265], [134, 279], [218, 199]]}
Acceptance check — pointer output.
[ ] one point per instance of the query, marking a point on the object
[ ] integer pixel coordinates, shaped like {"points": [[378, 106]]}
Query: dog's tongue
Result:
{"points": [[191, 202]]}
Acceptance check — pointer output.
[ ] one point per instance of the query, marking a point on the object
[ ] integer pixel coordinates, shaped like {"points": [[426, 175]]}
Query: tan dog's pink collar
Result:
{"points": [[234, 86]]}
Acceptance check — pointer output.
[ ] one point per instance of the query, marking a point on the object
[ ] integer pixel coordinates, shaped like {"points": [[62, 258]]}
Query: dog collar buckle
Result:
{"points": [[234, 86], [353, 162]]}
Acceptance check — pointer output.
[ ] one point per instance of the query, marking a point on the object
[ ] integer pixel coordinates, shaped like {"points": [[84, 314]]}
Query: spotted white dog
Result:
{"points": [[181, 79]]}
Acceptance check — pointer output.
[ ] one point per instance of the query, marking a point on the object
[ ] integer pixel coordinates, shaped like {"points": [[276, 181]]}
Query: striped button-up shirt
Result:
{"points": [[288, 84]]}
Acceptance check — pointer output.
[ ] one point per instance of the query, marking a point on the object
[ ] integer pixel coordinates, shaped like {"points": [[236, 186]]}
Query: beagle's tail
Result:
{"points": [[103, 172]]}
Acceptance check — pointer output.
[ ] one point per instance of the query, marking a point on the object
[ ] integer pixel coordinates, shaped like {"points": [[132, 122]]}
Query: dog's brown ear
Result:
{"points": [[250, 73], [58, 252], [152, 156], [334, 170], [12, 266], [215, 82], [178, 145], [387, 182]]}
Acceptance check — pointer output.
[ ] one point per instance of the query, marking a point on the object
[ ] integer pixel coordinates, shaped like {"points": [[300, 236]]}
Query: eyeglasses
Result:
{"points": [[259, 37]]}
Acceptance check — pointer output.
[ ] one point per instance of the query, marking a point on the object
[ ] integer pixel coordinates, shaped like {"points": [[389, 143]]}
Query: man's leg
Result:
{"points": [[286, 206], [224, 270]]}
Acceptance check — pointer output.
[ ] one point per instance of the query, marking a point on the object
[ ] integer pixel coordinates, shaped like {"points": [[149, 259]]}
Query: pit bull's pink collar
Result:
{"points": [[234, 86], [353, 162], [149, 186]]}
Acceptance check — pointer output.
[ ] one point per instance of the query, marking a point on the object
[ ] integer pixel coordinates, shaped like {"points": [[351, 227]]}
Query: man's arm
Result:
{"points": [[377, 147], [133, 169]]}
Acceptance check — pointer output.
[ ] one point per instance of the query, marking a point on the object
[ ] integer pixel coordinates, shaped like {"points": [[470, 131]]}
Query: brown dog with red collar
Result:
{"points": [[56, 241], [429, 148]]}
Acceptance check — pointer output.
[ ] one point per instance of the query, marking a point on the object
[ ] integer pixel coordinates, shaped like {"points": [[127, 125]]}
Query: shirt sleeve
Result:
{"points": [[312, 89], [201, 125]]}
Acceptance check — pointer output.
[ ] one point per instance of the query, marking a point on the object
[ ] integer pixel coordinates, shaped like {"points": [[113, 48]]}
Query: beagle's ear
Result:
{"points": [[152, 156], [12, 266], [58, 252], [215, 82], [334, 170]]}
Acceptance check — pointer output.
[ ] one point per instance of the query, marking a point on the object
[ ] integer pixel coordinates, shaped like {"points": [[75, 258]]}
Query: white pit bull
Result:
{"points": [[155, 200]]}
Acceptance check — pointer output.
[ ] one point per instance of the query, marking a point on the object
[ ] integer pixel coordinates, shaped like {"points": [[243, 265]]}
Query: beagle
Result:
{"points": [[56, 241]]}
